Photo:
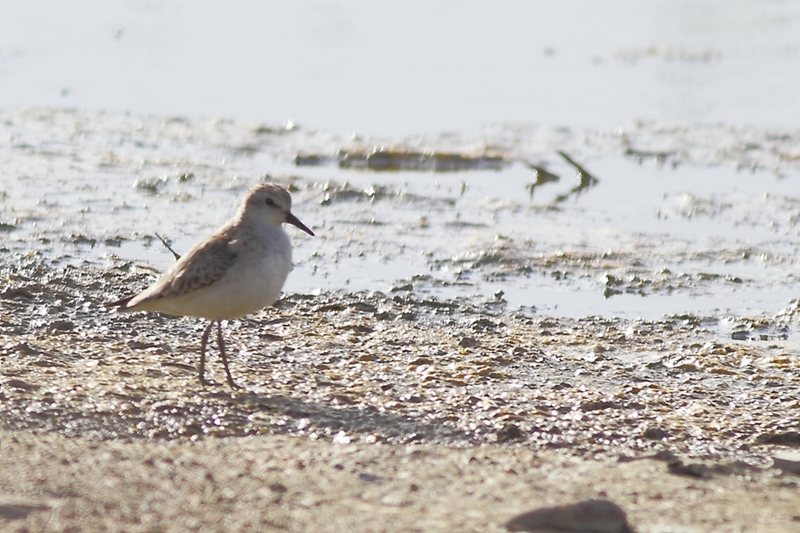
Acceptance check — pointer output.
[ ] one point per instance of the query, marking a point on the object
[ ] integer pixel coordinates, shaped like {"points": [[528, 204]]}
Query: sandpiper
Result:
{"points": [[239, 270]]}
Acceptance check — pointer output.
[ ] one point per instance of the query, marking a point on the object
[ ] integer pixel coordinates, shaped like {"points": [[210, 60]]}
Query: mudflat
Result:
{"points": [[456, 346], [375, 412]]}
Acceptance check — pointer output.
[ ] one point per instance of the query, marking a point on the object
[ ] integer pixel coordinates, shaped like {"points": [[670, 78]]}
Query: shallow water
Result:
{"points": [[712, 222], [707, 229], [436, 66]]}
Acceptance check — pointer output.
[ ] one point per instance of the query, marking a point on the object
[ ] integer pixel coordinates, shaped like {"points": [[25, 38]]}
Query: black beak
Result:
{"points": [[294, 221]]}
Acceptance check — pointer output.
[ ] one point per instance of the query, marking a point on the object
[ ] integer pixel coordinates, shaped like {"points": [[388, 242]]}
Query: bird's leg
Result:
{"points": [[221, 344], [203, 353]]}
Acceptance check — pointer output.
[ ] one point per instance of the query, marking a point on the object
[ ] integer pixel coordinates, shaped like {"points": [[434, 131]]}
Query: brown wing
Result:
{"points": [[204, 265]]}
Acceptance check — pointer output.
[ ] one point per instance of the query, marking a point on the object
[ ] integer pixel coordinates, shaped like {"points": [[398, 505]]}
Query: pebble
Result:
{"points": [[787, 461], [590, 516]]}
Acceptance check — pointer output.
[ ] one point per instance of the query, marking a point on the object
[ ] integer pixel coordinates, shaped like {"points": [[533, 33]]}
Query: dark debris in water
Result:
{"points": [[759, 330], [395, 159], [612, 272], [542, 177], [586, 180]]}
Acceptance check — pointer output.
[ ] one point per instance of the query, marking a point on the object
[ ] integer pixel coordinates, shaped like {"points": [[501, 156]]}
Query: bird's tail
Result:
{"points": [[120, 305]]}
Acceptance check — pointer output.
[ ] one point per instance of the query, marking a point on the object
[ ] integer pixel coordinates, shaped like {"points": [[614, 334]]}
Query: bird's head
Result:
{"points": [[272, 203]]}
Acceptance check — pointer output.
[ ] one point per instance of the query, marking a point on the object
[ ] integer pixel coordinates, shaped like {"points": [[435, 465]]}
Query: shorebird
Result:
{"points": [[238, 270]]}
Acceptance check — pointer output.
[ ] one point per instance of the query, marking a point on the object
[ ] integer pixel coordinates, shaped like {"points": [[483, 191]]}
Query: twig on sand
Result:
{"points": [[168, 247]]}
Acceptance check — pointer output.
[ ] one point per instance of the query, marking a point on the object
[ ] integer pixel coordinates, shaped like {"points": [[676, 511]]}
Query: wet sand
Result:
{"points": [[431, 401], [362, 408]]}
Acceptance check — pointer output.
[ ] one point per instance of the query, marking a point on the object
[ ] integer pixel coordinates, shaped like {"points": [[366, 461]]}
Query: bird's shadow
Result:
{"points": [[279, 413], [151, 413]]}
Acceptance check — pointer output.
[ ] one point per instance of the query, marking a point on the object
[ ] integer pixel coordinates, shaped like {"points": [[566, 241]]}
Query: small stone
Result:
{"points": [[61, 325], [508, 433], [698, 470], [19, 292], [783, 438], [590, 516], [654, 433], [21, 348], [278, 488], [21, 385], [364, 307], [740, 335], [468, 342], [15, 508], [787, 461]]}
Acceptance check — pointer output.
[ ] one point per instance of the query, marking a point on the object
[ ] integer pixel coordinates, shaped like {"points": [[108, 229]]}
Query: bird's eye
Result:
{"points": [[270, 202]]}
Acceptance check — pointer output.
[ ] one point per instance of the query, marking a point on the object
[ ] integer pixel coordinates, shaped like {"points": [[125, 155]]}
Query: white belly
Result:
{"points": [[253, 282]]}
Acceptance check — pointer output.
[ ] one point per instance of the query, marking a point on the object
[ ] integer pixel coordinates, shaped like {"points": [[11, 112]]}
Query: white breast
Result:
{"points": [[254, 280]]}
